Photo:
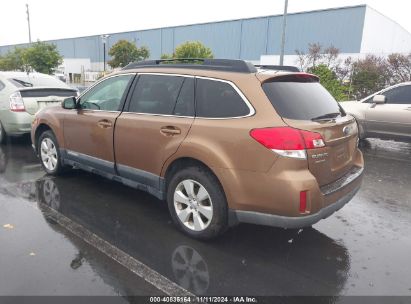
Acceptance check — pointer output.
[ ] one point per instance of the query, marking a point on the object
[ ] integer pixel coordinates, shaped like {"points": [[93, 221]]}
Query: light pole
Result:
{"points": [[28, 21], [104, 38], [283, 32]]}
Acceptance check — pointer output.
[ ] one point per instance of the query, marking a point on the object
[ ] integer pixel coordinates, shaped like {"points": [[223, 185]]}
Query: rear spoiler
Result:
{"points": [[42, 88], [47, 91], [287, 68], [294, 77]]}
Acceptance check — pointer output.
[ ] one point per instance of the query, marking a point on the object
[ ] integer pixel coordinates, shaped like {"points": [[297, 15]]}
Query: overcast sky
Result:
{"points": [[54, 19]]}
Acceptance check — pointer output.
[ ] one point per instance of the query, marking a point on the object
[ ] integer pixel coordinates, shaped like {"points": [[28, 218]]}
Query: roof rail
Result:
{"points": [[228, 65], [288, 68]]}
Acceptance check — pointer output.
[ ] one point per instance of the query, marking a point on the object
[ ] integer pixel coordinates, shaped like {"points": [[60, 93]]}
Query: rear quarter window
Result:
{"points": [[303, 100], [218, 99]]}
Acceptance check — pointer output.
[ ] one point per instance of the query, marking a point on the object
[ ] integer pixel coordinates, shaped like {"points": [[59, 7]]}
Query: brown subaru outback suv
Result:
{"points": [[220, 140]]}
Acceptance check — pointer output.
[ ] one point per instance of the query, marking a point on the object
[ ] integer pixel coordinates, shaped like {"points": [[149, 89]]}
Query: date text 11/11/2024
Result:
{"points": [[205, 299]]}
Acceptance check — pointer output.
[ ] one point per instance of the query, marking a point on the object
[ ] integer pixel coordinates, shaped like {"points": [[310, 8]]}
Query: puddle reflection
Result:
{"points": [[248, 259]]}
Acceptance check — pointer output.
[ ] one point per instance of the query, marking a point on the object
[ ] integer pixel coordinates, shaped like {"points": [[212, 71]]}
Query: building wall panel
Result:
{"points": [[384, 36], [222, 37], [341, 28], [253, 38]]}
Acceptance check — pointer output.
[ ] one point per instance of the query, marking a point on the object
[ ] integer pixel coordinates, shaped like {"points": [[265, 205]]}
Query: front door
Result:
{"points": [[392, 118], [157, 119], [88, 131]]}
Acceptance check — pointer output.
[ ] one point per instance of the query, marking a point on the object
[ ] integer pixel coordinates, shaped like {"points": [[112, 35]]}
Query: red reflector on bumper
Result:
{"points": [[303, 201]]}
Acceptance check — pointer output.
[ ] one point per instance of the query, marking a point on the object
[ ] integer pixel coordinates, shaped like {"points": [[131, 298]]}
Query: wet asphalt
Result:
{"points": [[363, 249]]}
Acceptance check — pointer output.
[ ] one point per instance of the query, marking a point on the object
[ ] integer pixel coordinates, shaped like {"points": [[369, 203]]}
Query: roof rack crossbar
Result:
{"points": [[229, 65]]}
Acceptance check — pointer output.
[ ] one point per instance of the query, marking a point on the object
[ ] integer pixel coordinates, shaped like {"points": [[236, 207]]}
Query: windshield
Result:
{"points": [[301, 100]]}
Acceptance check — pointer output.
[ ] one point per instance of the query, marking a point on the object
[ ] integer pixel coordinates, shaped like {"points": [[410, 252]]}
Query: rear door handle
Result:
{"points": [[105, 124], [170, 130]]}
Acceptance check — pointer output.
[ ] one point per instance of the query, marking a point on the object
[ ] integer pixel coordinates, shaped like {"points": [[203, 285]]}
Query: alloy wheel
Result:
{"points": [[48, 153], [193, 205]]}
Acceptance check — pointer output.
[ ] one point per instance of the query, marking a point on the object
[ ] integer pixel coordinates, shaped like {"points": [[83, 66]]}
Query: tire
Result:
{"points": [[197, 203], [3, 134], [3, 160], [360, 129], [49, 153]]}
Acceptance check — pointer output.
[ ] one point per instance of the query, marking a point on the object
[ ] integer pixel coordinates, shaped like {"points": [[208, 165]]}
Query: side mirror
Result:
{"points": [[69, 103], [379, 99]]}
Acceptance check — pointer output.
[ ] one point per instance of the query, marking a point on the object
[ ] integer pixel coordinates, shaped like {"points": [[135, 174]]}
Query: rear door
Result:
{"points": [[88, 131], [156, 120], [392, 118], [304, 104]]}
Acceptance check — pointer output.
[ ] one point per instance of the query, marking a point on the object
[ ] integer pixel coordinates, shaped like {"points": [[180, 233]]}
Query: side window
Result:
{"points": [[156, 94], [106, 95], [399, 95], [185, 101], [368, 100], [217, 99], [2, 86]]}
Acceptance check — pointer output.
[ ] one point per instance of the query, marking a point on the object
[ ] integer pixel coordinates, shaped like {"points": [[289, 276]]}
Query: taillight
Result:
{"points": [[312, 140], [288, 141], [16, 102]]}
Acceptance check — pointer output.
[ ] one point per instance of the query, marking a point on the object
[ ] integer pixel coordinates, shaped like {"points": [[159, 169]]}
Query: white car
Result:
{"points": [[22, 95], [385, 114]]}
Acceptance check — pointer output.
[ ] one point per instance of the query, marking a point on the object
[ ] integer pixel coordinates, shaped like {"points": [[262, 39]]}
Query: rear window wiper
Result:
{"points": [[326, 116], [22, 82]]}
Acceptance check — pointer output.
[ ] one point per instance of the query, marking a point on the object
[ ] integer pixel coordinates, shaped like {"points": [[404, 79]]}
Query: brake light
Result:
{"points": [[16, 102], [288, 142]]}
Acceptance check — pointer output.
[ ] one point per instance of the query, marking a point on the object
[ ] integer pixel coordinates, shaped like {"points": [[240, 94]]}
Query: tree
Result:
{"points": [[14, 61], [369, 75], [330, 81], [331, 55], [314, 53], [343, 70], [317, 55], [125, 52], [42, 57], [399, 66], [190, 49], [302, 60]]}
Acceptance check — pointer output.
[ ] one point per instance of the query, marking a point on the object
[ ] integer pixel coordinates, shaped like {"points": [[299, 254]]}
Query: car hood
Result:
{"points": [[347, 105]]}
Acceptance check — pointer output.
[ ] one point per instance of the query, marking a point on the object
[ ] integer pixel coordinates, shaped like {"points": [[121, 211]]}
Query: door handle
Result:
{"points": [[408, 109], [170, 130], [105, 124]]}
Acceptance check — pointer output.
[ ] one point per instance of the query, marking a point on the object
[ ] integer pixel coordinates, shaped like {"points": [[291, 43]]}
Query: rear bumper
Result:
{"points": [[16, 123], [339, 193], [292, 222]]}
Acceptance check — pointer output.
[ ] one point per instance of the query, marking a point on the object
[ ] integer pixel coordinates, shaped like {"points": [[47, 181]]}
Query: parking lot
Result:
{"points": [[83, 235]]}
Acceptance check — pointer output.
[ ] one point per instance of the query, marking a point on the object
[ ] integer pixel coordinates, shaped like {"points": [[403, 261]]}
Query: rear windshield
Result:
{"points": [[27, 82], [300, 100]]}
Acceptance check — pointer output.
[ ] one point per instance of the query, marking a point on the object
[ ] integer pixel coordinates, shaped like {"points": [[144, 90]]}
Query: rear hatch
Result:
{"points": [[303, 103], [36, 98]]}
